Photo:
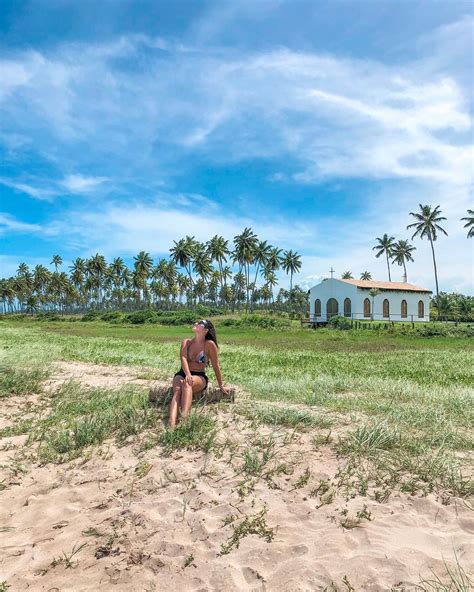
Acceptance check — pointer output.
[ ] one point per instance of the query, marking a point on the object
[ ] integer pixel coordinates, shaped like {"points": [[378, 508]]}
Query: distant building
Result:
{"points": [[396, 301]]}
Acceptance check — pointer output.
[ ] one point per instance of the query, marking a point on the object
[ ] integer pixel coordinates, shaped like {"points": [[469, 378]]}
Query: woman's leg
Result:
{"points": [[199, 383], [175, 402]]}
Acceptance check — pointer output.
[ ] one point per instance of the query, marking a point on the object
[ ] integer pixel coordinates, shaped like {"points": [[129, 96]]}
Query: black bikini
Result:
{"points": [[200, 359]]}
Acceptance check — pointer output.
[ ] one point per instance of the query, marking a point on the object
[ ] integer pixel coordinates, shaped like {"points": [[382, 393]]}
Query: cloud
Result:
{"points": [[35, 192], [10, 224], [82, 184], [335, 116]]}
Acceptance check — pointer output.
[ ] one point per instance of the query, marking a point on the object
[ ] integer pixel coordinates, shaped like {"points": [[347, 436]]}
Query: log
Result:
{"points": [[161, 394]]}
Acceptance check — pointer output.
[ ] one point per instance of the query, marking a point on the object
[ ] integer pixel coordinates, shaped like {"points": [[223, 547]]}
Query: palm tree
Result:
{"points": [[245, 249], [143, 264], [366, 275], [57, 261], [373, 292], [385, 246], [347, 275], [401, 253], [427, 224], [218, 249], [291, 263], [182, 253], [469, 223], [262, 252]]}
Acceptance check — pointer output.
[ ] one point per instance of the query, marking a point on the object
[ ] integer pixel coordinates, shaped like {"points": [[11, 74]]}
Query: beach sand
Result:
{"points": [[140, 520]]}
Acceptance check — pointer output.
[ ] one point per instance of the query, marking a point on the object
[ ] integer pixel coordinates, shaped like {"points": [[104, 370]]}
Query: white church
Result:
{"points": [[396, 301]]}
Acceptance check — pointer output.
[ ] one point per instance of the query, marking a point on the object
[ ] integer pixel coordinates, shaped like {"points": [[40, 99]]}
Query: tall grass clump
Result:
{"points": [[15, 380], [81, 416], [197, 431], [286, 416]]}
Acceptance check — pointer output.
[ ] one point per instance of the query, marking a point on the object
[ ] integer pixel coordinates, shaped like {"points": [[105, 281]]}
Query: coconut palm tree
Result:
{"points": [[57, 261], [469, 223], [245, 250], [427, 224], [401, 253], [347, 275], [182, 254], [262, 252], [142, 266], [384, 246], [291, 264], [366, 275], [218, 249]]}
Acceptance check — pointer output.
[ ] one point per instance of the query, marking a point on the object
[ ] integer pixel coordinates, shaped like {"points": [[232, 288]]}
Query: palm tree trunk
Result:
{"points": [[405, 271], [388, 267], [435, 270]]}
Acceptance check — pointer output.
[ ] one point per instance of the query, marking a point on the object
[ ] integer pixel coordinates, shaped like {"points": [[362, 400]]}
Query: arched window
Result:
{"points": [[421, 309], [386, 309], [317, 307], [404, 309], [332, 308], [347, 307], [366, 307]]}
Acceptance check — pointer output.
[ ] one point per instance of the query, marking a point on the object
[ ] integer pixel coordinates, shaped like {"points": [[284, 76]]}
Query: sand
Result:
{"points": [[154, 522]]}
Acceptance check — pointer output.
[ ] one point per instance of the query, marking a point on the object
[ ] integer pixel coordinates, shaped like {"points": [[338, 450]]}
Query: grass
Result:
{"points": [[408, 399], [79, 417], [20, 381], [247, 525], [195, 432]]}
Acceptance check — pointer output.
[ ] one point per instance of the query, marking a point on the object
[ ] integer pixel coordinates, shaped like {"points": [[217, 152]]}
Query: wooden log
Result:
{"points": [[161, 394]]}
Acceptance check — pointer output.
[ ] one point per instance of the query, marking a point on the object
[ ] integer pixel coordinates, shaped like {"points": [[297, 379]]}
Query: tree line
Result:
{"points": [[195, 272]]}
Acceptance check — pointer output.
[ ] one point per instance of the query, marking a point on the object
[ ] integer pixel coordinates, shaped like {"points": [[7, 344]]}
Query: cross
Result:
{"points": [[332, 271]]}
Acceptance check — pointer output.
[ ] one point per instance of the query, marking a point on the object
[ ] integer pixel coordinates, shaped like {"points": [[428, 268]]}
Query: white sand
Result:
{"points": [[152, 523]]}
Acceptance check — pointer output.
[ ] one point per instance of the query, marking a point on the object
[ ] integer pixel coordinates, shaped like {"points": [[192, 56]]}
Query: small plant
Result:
{"points": [[67, 558], [249, 525], [303, 480], [189, 561], [4, 586]]}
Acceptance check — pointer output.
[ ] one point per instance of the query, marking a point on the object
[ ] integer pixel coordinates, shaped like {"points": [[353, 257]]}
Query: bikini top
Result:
{"points": [[201, 358]]}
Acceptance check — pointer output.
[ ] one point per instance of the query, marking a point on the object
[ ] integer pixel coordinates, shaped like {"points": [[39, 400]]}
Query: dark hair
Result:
{"points": [[211, 333]]}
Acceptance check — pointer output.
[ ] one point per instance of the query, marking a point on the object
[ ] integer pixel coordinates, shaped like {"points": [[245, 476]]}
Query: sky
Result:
{"points": [[128, 124]]}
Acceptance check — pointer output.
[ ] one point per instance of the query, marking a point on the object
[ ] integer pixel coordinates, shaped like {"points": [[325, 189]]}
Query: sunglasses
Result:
{"points": [[202, 323]]}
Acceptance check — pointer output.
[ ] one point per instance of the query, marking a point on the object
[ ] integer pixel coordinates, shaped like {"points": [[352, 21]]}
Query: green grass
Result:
{"points": [[21, 381], [195, 432], [80, 417], [408, 399]]}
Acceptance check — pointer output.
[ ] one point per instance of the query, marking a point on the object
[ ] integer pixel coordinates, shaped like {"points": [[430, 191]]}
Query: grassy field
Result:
{"points": [[396, 411], [420, 388]]}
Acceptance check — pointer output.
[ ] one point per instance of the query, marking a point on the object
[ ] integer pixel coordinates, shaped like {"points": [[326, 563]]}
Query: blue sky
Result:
{"points": [[125, 125]]}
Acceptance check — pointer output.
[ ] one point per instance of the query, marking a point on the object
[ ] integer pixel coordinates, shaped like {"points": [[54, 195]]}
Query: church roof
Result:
{"points": [[402, 286]]}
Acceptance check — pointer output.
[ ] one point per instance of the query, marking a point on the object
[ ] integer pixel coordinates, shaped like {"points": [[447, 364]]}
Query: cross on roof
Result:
{"points": [[332, 271]]}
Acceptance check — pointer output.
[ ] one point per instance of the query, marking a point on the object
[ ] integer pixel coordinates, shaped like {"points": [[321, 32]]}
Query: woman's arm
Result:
{"points": [[184, 358], [213, 354]]}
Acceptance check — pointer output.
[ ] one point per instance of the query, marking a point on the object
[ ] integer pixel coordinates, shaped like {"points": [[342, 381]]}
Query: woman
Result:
{"points": [[191, 378]]}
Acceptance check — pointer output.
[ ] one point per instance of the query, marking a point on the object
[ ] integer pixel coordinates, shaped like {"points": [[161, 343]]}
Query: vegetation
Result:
{"points": [[95, 284]]}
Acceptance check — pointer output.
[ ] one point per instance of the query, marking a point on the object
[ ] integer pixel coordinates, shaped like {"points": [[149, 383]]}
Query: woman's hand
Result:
{"points": [[189, 379], [224, 390]]}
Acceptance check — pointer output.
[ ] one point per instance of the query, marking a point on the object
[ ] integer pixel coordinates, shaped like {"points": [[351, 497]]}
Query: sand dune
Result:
{"points": [[153, 522]]}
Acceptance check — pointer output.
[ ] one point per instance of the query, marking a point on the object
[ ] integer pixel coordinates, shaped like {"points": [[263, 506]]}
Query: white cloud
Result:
{"points": [[10, 224], [81, 183], [35, 192]]}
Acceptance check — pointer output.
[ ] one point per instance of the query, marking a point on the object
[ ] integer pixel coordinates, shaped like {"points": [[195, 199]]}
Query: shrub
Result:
{"points": [[142, 316], [112, 315], [339, 322], [91, 315], [255, 320]]}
